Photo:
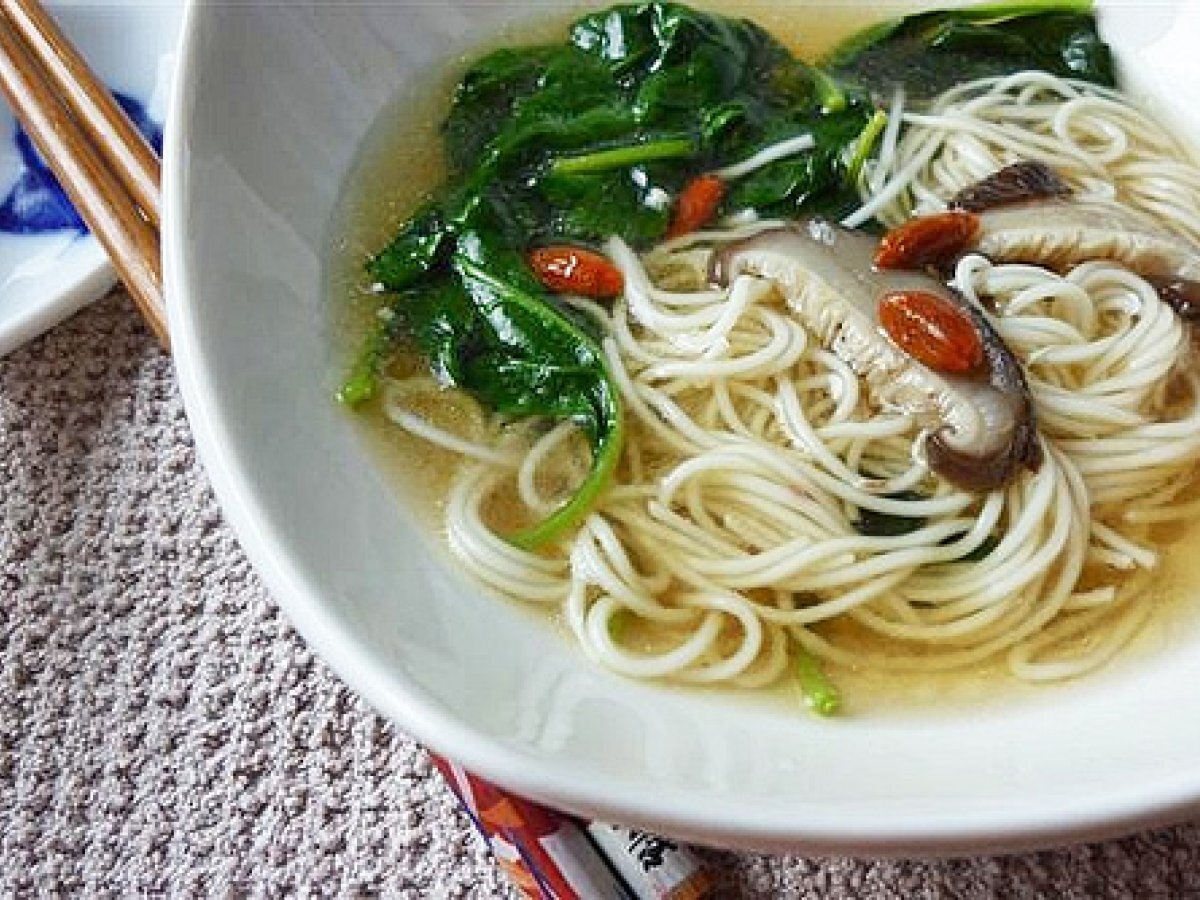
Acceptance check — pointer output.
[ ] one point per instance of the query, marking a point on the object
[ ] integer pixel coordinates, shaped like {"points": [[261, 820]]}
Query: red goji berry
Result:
{"points": [[932, 330], [927, 240], [574, 270]]}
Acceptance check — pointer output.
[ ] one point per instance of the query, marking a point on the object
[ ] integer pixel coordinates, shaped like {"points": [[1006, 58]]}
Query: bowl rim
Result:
{"points": [[1153, 801]]}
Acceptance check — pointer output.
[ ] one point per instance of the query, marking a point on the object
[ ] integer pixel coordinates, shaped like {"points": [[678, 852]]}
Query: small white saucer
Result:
{"points": [[49, 265]]}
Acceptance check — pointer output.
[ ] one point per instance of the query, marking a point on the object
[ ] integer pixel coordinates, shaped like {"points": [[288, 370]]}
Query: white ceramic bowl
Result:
{"points": [[272, 103]]}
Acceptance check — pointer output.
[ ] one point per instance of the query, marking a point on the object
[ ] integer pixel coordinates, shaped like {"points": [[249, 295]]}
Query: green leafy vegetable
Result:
{"points": [[989, 543], [597, 136], [733, 90], [413, 252], [623, 157], [820, 694], [484, 99], [512, 103], [633, 202], [526, 359], [872, 523], [362, 382], [930, 52], [865, 144]]}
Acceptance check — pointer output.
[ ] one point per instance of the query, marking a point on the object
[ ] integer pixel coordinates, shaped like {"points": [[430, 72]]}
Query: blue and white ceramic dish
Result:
{"points": [[49, 265]]}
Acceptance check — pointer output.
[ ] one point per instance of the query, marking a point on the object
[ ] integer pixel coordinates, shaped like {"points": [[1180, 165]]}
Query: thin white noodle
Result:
{"points": [[780, 150], [754, 454], [394, 396], [881, 166]]}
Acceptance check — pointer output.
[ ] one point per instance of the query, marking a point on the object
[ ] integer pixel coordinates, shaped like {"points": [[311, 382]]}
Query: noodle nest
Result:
{"points": [[735, 527]]}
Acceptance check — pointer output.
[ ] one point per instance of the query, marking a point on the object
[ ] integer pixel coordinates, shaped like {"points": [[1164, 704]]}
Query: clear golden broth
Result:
{"points": [[401, 162]]}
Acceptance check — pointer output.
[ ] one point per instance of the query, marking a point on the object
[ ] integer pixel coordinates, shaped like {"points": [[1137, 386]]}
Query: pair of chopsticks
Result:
{"points": [[107, 168], [113, 178]]}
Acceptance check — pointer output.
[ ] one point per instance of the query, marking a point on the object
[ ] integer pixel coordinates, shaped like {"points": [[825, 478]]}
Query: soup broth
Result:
{"points": [[399, 166]]}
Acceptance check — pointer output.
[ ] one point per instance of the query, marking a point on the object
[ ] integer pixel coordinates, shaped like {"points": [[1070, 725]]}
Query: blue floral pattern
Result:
{"points": [[37, 204]]}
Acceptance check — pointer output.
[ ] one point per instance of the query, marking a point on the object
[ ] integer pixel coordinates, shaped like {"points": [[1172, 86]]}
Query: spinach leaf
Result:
{"points": [[676, 57], [989, 543], [632, 202], [436, 316], [511, 99], [530, 360], [872, 523], [737, 90], [821, 180], [484, 99], [507, 111], [413, 252], [635, 86], [930, 52], [486, 326]]}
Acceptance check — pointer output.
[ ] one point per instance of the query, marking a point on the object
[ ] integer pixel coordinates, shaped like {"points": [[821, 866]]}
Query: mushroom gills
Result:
{"points": [[1025, 214], [981, 425]]}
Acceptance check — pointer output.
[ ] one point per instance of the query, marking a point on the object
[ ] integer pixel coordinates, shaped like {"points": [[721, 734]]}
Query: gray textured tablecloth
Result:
{"points": [[163, 730]]}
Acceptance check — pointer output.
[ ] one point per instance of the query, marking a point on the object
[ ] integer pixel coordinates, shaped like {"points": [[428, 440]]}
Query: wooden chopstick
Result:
{"points": [[133, 159], [94, 172], [112, 176]]}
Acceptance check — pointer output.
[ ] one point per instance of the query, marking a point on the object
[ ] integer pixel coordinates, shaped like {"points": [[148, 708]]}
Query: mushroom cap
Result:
{"points": [[982, 429], [1026, 213]]}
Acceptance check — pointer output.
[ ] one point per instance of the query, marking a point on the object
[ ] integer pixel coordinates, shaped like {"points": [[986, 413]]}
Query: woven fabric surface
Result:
{"points": [[164, 732]]}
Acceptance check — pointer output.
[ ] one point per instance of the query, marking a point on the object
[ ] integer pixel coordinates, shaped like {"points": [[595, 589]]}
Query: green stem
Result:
{"points": [[362, 381], [833, 98], [865, 144], [571, 513], [619, 157], [1008, 10], [818, 691]]}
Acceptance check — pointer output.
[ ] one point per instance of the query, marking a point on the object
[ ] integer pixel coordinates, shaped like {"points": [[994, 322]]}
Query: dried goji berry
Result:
{"points": [[932, 330], [696, 204], [927, 240], [574, 270]]}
